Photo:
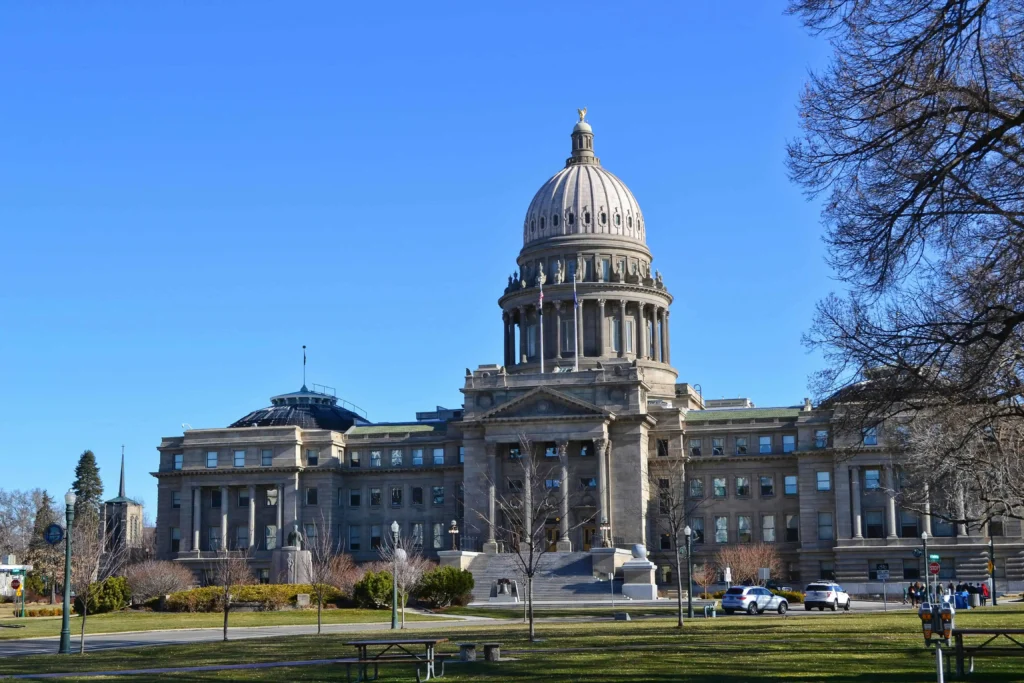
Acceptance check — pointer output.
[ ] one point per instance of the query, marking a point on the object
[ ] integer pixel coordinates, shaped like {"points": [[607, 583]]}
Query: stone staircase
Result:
{"points": [[561, 577]]}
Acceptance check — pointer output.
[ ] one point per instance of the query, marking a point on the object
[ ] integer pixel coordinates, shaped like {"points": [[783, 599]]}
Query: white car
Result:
{"points": [[824, 594], [752, 600]]}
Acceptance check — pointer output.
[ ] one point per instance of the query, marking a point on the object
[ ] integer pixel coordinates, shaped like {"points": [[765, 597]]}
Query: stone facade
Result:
{"points": [[587, 378]]}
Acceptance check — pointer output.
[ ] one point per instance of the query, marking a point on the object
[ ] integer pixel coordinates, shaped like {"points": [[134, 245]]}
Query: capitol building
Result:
{"points": [[587, 378]]}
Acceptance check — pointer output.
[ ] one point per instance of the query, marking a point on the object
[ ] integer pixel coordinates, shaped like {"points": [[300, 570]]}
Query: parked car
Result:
{"points": [[752, 600], [824, 594]]}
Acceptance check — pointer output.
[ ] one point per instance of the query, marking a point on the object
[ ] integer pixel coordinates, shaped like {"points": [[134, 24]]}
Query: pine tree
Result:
{"points": [[44, 558], [87, 486]]}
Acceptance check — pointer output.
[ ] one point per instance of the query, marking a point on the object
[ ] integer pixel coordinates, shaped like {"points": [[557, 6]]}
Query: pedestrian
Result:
{"points": [[951, 587], [984, 594]]}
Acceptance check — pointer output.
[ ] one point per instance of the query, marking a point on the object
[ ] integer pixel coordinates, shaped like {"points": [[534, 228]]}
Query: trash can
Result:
{"points": [[960, 601], [975, 600]]}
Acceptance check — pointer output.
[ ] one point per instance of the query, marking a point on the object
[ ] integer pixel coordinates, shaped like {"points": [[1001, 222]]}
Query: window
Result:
{"points": [[551, 452], [353, 459], [697, 529], [947, 568], [374, 536], [911, 569], [615, 333], [215, 501], [552, 484], [375, 459], [872, 480], [666, 542], [417, 535], [266, 457], [241, 537], [211, 459], [662, 445], [742, 486], [531, 340], [767, 486], [870, 436], [354, 540], [995, 526], [417, 456], [718, 487], [270, 537], [438, 494], [664, 497], [791, 486], [396, 457], [438, 456], [794, 572], [768, 528], [312, 457], [585, 451], [175, 499], [606, 270], [908, 524], [179, 460], [239, 458], [764, 444], [462, 454], [873, 525], [743, 534], [721, 529], [826, 571], [243, 497], [311, 495], [310, 531], [718, 446], [438, 536], [788, 443], [942, 527], [554, 221], [820, 438], [568, 338], [396, 496], [824, 481], [695, 447], [355, 497], [175, 539], [696, 488], [629, 336], [792, 528], [214, 536], [588, 483], [741, 445], [514, 453], [604, 218], [825, 526]]}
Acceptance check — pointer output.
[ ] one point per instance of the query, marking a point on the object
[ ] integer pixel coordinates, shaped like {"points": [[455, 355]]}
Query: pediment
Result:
{"points": [[545, 403]]}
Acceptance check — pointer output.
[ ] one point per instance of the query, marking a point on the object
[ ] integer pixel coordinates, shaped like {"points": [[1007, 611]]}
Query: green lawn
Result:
{"points": [[151, 621], [840, 648]]}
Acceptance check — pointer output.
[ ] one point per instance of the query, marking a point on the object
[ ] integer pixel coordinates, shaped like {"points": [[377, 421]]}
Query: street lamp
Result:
{"points": [[454, 531], [394, 577], [992, 567], [927, 574], [688, 532], [65, 626]]}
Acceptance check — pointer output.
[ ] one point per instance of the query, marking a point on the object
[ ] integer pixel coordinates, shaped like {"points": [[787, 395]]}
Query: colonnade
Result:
{"points": [[192, 514], [856, 505]]}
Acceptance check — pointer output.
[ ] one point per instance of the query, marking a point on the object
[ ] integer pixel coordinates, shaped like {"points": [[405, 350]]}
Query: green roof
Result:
{"points": [[412, 427], [743, 414]]}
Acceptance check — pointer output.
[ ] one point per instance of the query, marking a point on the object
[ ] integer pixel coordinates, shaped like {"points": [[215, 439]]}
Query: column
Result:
{"points": [[504, 343], [197, 515], [855, 502], [558, 329], [600, 327], [622, 328], [890, 500], [522, 334], [641, 315], [280, 515], [657, 335], [491, 449], [926, 518], [563, 522], [668, 346], [252, 516], [600, 447], [578, 317], [224, 503]]}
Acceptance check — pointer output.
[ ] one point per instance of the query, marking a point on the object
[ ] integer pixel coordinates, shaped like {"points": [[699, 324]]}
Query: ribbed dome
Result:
{"points": [[305, 409], [583, 198]]}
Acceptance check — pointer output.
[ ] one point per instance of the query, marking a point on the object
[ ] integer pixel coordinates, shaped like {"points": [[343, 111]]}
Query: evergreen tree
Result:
{"points": [[88, 487], [45, 559]]}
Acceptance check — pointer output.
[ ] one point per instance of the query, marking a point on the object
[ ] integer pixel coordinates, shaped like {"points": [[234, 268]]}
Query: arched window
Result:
{"points": [[586, 217], [604, 218], [542, 222], [531, 226], [630, 219], [572, 219], [618, 219], [554, 220]]}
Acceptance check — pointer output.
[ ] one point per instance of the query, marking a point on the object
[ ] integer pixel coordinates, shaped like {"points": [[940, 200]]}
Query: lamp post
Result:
{"points": [[688, 532], [992, 567], [65, 626], [927, 574], [394, 577], [454, 531]]}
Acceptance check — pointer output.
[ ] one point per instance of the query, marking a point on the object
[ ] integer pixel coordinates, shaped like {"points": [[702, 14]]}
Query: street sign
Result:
{"points": [[883, 574], [54, 534], [15, 584], [933, 568], [764, 573], [934, 558], [882, 567], [918, 552]]}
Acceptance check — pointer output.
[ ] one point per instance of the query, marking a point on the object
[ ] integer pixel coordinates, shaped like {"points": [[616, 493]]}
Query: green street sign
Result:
{"points": [[934, 558]]}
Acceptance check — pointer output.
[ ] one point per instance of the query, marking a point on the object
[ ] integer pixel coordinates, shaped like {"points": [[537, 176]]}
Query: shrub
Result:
{"points": [[153, 578], [373, 591], [268, 597], [791, 596], [46, 612], [446, 586], [718, 595], [110, 595]]}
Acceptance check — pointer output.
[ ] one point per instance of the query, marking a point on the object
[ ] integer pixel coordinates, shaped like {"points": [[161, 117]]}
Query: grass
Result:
{"points": [[570, 612], [841, 648], [152, 621]]}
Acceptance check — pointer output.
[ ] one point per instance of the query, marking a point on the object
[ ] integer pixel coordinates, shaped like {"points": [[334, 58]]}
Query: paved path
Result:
{"points": [[183, 669]]}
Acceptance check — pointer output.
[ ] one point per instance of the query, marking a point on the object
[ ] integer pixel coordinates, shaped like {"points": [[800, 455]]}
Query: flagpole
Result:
{"points": [[575, 322], [541, 309]]}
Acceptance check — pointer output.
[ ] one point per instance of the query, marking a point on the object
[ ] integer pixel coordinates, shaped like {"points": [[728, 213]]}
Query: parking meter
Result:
{"points": [[937, 621]]}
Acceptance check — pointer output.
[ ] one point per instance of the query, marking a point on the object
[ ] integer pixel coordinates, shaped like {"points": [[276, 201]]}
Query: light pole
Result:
{"points": [[689, 571], [454, 531], [394, 577], [65, 626], [992, 567], [927, 574]]}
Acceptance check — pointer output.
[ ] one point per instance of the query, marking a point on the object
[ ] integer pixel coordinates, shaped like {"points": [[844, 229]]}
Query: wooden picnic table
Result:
{"points": [[396, 650], [985, 649]]}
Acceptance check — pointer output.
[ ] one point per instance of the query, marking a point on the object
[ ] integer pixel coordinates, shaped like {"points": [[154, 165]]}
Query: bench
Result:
{"points": [[362, 666], [492, 652]]}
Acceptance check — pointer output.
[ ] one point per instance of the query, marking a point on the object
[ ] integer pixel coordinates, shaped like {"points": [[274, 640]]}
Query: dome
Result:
{"points": [[305, 409], [583, 198]]}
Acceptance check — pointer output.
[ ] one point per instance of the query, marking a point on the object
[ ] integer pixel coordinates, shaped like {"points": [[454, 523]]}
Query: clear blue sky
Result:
{"points": [[190, 191]]}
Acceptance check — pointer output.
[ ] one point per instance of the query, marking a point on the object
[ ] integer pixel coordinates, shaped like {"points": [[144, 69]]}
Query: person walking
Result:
{"points": [[984, 594]]}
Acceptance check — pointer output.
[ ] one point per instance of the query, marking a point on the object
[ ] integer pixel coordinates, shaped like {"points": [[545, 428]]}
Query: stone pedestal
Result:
{"points": [[456, 558], [607, 561], [491, 548], [290, 565], [638, 576], [563, 546]]}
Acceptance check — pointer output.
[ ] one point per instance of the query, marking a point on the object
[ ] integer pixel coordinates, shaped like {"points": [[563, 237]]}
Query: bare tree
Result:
{"points": [[411, 565], [94, 559], [328, 568], [153, 578], [746, 558], [537, 492], [913, 135], [17, 515], [674, 508], [705, 574], [230, 569]]}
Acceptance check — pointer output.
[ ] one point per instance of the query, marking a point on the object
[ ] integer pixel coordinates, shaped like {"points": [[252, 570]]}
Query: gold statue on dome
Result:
{"points": [[582, 113]]}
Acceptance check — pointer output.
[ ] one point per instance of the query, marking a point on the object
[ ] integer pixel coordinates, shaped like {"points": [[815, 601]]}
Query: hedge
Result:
{"points": [[374, 590], [109, 595], [791, 596], [266, 596], [46, 612], [446, 586]]}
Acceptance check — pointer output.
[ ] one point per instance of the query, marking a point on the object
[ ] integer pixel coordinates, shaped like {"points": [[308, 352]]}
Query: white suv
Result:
{"points": [[826, 594]]}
